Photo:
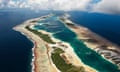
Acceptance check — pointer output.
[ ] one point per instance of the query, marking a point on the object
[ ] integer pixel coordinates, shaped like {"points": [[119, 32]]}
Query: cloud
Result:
{"points": [[59, 4], [71, 5], [103, 6], [107, 6], [49, 4]]}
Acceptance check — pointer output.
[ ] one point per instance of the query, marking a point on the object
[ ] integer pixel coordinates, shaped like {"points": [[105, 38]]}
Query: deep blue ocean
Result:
{"points": [[15, 49]]}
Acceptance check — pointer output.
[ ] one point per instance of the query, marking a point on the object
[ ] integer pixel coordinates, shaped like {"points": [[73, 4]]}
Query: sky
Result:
{"points": [[102, 6]]}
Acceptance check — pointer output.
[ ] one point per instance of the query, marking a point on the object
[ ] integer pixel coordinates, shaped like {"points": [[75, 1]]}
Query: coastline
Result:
{"points": [[33, 49], [21, 28], [94, 41], [29, 37]]}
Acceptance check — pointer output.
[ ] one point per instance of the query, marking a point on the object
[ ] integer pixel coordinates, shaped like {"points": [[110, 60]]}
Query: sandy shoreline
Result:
{"points": [[33, 49], [38, 52], [33, 38]]}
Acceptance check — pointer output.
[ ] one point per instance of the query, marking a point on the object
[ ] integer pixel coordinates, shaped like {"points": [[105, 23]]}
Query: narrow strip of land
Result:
{"points": [[107, 49], [50, 54]]}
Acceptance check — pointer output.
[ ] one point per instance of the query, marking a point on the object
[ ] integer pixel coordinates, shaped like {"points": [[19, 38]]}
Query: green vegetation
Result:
{"points": [[62, 65], [58, 51], [45, 37]]}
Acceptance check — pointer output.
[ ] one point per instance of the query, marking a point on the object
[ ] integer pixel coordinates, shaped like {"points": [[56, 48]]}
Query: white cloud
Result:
{"points": [[71, 4], [51, 4], [11, 4], [104, 6], [107, 6]]}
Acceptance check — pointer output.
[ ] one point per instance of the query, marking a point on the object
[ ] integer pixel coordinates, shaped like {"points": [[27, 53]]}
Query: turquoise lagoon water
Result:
{"points": [[88, 56]]}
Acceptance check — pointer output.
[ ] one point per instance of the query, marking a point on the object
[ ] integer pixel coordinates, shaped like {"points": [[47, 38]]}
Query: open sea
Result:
{"points": [[16, 49]]}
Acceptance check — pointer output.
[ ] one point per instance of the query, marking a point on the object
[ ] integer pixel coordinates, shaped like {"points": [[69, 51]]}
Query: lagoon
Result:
{"points": [[87, 55]]}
